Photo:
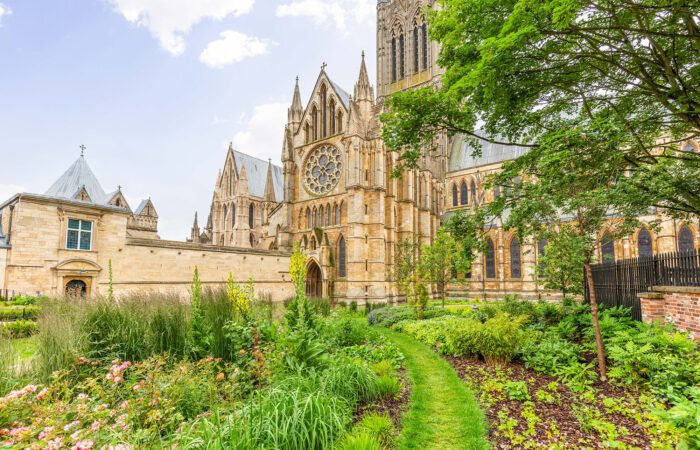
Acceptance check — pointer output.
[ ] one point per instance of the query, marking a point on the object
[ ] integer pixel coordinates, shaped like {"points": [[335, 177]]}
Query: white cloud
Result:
{"points": [[233, 47], [8, 190], [323, 12], [263, 132], [4, 11], [171, 20]]}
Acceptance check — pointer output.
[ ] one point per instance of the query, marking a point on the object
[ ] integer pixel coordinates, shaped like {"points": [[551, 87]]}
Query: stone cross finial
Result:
{"points": [[82, 150], [323, 66]]}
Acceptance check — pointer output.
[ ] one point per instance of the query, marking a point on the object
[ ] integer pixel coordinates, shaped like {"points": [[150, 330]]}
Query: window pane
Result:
{"points": [[85, 225], [85, 240], [72, 241], [73, 224], [490, 260]]}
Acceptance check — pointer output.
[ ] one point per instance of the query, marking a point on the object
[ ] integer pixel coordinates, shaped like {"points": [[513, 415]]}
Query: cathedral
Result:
{"points": [[333, 193]]}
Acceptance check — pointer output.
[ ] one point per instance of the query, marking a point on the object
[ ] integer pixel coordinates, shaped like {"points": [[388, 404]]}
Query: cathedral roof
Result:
{"points": [[256, 171], [344, 96], [77, 176], [461, 156], [3, 238]]}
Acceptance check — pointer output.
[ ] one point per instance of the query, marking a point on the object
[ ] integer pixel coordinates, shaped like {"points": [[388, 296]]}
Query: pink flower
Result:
{"points": [[82, 396], [75, 436], [21, 392], [16, 432], [54, 444], [71, 425], [42, 394], [95, 426], [124, 404], [101, 407], [45, 433], [85, 444]]}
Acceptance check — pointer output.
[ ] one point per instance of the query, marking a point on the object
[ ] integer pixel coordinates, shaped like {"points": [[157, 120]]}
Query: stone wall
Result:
{"points": [[679, 306], [38, 261]]}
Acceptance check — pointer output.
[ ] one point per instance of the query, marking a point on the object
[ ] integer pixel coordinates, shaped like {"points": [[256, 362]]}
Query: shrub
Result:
{"points": [[391, 315], [279, 418], [516, 390], [346, 331], [19, 328], [350, 381], [378, 426], [499, 338], [388, 386], [360, 440], [18, 312], [463, 338], [548, 352]]}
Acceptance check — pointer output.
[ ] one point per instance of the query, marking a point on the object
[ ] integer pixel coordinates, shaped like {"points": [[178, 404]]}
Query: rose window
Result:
{"points": [[322, 170]]}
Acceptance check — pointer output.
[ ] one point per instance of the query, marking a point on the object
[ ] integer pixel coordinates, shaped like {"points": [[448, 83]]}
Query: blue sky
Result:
{"points": [[155, 89]]}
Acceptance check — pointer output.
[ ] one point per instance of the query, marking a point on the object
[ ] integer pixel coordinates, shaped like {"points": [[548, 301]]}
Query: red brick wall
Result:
{"points": [[679, 306]]}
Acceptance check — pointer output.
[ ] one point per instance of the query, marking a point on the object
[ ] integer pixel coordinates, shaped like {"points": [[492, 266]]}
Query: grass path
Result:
{"points": [[443, 413]]}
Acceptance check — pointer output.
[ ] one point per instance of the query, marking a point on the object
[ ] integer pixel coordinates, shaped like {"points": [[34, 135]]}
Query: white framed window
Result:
{"points": [[79, 235]]}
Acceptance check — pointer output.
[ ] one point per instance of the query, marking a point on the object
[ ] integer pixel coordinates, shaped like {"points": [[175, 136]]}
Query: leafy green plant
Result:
{"points": [[351, 381], [378, 426], [19, 328], [547, 352], [499, 338], [517, 390], [197, 337]]}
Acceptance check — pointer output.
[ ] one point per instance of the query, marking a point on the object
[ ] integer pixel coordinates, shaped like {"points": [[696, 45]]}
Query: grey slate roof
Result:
{"points": [[77, 176], [461, 156], [3, 238], [344, 96], [256, 171]]}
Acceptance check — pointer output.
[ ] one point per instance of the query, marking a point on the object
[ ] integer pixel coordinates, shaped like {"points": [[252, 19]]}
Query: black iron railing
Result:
{"points": [[617, 283]]}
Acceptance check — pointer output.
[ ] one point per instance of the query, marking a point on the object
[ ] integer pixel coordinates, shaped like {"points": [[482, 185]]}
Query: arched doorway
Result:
{"points": [[314, 281], [76, 288]]}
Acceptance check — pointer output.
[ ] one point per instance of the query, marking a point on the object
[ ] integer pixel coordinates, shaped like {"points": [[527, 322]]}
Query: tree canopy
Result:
{"points": [[565, 78]]}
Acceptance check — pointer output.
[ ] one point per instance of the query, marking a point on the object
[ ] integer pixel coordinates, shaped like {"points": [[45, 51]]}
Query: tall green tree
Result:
{"points": [[438, 260], [407, 273], [548, 74], [562, 262]]}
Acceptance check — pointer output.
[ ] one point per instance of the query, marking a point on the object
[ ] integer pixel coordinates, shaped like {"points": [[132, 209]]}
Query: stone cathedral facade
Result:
{"points": [[334, 196]]}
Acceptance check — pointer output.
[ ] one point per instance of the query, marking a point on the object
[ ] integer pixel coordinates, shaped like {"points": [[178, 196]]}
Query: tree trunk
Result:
{"points": [[602, 367]]}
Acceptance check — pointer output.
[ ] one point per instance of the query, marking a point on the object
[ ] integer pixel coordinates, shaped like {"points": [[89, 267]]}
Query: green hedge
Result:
{"points": [[19, 329], [18, 312]]}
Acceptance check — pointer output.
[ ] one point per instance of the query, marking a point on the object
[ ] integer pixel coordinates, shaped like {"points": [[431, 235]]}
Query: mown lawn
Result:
{"points": [[25, 347], [443, 413]]}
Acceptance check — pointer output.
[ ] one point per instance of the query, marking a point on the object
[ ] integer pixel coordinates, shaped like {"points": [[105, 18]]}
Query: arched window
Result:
{"points": [[323, 216], [252, 240], [313, 243], [225, 215], [307, 132], [402, 53], [686, 241], [454, 195], [416, 44], [490, 262], [315, 217], [473, 189], [332, 116], [644, 245], [314, 118], [342, 258], [340, 122], [233, 215], [328, 215], [336, 217], [463, 197], [607, 248], [393, 59], [515, 259], [308, 218], [324, 111], [251, 216], [425, 45], [340, 214]]}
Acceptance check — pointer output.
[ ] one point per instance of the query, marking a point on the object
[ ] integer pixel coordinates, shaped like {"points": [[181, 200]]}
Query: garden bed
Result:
{"points": [[548, 414]]}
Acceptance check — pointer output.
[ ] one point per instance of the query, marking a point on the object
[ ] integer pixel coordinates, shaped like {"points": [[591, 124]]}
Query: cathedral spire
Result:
{"points": [[269, 184], [295, 112], [363, 89], [194, 237]]}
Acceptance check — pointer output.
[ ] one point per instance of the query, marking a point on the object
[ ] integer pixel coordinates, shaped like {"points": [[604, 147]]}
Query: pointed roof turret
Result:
{"points": [[363, 89], [78, 176], [270, 184], [295, 112], [242, 186]]}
